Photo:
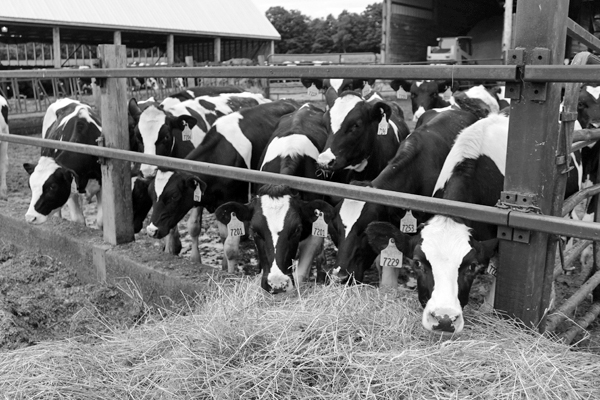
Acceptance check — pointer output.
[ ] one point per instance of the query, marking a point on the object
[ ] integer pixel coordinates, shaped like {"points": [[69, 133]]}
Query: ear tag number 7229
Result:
{"points": [[391, 256]]}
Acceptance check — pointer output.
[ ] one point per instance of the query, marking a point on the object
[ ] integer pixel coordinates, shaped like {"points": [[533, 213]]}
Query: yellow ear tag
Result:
{"points": [[235, 227], [408, 224], [312, 90], [366, 89], [319, 227], [382, 128], [197, 193], [401, 94], [186, 134], [391, 256], [447, 94]]}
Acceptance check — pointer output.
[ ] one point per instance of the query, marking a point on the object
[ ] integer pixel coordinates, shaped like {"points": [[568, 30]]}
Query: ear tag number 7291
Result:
{"points": [[235, 227], [391, 256]]}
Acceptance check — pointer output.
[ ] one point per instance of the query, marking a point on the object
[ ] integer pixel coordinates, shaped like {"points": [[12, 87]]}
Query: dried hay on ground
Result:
{"points": [[328, 342]]}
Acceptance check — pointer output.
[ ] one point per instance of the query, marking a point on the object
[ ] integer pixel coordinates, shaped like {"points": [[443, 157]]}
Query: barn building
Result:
{"points": [[46, 34], [409, 26]]}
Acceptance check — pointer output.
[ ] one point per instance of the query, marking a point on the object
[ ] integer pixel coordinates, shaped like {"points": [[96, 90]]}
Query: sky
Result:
{"points": [[317, 8]]}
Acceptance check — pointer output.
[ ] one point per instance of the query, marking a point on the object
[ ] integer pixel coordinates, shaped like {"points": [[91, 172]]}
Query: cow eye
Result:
{"points": [[417, 264], [580, 105], [175, 197], [413, 95], [473, 266], [434, 94]]}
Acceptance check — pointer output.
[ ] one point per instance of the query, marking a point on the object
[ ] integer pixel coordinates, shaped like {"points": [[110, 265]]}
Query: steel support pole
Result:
{"points": [[525, 274]]}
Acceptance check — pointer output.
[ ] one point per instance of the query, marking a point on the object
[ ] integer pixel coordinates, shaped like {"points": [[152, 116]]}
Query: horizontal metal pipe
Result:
{"points": [[581, 145], [475, 212], [581, 323], [586, 134], [561, 73], [458, 72], [568, 306], [572, 202]]}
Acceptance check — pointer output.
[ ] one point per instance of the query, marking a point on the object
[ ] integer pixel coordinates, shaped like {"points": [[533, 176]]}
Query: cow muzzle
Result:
{"points": [[152, 230], [443, 321], [326, 159], [148, 171]]}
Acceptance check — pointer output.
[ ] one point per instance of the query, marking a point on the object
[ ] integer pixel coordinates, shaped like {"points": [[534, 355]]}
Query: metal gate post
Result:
{"points": [[524, 275]]}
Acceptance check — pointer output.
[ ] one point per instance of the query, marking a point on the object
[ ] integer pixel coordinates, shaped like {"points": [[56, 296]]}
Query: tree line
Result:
{"points": [[348, 33]]}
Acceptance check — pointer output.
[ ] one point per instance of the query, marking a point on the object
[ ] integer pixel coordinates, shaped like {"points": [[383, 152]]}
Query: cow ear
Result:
{"points": [[396, 84], [134, 109], [243, 212], [380, 108], [29, 167], [309, 211], [486, 250], [184, 120], [194, 181], [380, 233]]}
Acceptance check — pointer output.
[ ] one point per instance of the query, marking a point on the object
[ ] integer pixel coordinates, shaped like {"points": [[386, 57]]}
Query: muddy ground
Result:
{"points": [[41, 299]]}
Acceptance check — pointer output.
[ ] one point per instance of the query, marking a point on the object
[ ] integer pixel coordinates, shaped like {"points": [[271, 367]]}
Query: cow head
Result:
{"points": [[172, 197], [279, 221], [446, 259], [352, 124], [424, 95], [50, 186], [588, 106], [158, 128]]}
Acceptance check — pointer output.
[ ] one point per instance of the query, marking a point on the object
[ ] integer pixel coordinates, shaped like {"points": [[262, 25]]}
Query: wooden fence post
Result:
{"points": [[524, 274], [189, 62], [116, 174]]}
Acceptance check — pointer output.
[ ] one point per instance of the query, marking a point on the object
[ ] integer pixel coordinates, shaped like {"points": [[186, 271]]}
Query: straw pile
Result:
{"points": [[324, 343]]}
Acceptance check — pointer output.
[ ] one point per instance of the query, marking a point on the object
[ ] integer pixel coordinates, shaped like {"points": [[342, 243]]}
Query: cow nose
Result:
{"points": [[326, 159], [342, 276], [148, 171], [444, 322], [152, 230], [30, 219]]}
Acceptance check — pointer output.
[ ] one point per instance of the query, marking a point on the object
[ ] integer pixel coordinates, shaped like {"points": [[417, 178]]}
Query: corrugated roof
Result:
{"points": [[232, 18]]}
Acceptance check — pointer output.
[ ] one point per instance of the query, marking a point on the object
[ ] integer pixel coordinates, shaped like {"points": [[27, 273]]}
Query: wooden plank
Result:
{"points": [[171, 49], [524, 276], [116, 175], [56, 55], [217, 49], [580, 34]]}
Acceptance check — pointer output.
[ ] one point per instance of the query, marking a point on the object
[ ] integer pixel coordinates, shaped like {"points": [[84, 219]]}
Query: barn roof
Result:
{"points": [[223, 18]]}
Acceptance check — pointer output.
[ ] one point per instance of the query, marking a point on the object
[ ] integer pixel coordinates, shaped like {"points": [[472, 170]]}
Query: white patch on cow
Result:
{"points": [[579, 167], [3, 101], [445, 244], [50, 116], [395, 129], [229, 127], [358, 167], [275, 210], [350, 211], [305, 105], [161, 180], [594, 91], [151, 120], [481, 93], [488, 136], [290, 146], [184, 108], [326, 157], [336, 84], [374, 97], [191, 93], [170, 102], [442, 109], [44, 168], [419, 83], [420, 111], [82, 111], [340, 109]]}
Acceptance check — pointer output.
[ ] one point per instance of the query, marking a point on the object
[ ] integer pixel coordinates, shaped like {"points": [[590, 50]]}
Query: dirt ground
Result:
{"points": [[40, 299]]}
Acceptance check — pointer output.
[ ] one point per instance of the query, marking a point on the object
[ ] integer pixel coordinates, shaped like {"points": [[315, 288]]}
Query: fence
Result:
{"points": [[535, 168]]}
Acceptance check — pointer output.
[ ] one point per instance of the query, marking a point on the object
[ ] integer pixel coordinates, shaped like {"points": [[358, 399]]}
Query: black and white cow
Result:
{"points": [[280, 221], [238, 140], [197, 91], [51, 178], [293, 150], [424, 95], [334, 87], [415, 170], [364, 135], [3, 148], [448, 252], [177, 130]]}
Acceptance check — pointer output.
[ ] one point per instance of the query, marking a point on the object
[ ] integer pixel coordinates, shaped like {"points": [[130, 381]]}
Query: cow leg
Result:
{"points": [[172, 242], [194, 227], [231, 249], [308, 248], [74, 203], [99, 213], [3, 169]]}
